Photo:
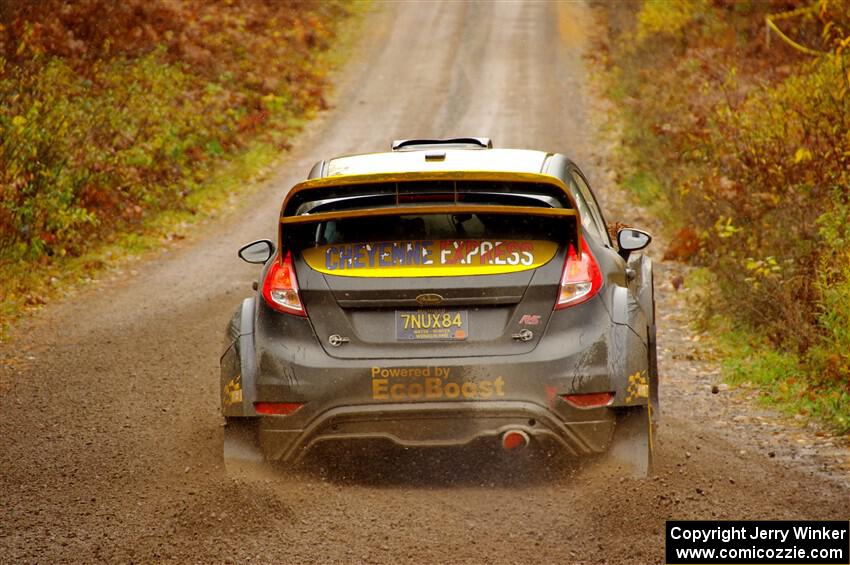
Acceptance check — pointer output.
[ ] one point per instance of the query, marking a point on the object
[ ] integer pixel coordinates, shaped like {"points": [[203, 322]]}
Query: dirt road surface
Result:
{"points": [[110, 440]]}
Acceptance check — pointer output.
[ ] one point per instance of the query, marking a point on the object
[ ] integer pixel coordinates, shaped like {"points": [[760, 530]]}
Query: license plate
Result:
{"points": [[445, 325]]}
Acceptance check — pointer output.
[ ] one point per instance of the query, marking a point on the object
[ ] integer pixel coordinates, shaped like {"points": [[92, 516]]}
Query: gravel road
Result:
{"points": [[109, 426]]}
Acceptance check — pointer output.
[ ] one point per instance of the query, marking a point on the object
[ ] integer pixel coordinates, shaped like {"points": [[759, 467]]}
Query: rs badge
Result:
{"points": [[530, 320]]}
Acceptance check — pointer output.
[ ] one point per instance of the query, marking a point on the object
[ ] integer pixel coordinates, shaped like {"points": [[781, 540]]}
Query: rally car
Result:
{"points": [[443, 293]]}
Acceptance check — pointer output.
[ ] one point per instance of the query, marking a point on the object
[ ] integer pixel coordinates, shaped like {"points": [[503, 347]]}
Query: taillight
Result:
{"points": [[280, 288], [589, 400], [581, 279], [277, 408]]}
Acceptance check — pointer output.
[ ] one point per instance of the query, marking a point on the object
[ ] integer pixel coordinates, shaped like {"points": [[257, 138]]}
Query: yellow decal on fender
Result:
{"points": [[638, 387], [433, 258], [232, 392]]}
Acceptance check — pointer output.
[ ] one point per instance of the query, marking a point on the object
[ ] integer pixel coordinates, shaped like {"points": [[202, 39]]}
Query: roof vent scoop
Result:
{"points": [[452, 143]]}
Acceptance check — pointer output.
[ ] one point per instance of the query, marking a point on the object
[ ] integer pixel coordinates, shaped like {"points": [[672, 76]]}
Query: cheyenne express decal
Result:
{"points": [[418, 258]]}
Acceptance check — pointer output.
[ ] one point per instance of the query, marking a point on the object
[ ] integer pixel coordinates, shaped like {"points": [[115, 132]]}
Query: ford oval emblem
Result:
{"points": [[429, 299], [336, 340]]}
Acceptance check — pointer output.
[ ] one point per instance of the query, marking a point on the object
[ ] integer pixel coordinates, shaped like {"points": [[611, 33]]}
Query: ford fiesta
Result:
{"points": [[442, 294]]}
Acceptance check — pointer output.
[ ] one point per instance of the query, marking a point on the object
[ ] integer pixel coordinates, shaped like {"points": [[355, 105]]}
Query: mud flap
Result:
{"points": [[241, 450], [632, 447]]}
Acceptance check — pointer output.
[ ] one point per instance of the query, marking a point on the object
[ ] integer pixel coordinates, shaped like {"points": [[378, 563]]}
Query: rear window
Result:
{"points": [[439, 227]]}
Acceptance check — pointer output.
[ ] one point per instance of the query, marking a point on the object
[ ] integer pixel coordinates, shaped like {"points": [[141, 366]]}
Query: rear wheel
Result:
{"points": [[632, 447]]}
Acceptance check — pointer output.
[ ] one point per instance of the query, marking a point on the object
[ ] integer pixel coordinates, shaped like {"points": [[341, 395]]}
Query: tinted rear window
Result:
{"points": [[437, 227]]}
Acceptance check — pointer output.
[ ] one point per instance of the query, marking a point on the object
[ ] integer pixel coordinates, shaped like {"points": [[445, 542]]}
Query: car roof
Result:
{"points": [[437, 159]]}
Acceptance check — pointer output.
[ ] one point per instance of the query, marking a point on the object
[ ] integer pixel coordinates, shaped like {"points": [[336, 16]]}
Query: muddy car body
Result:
{"points": [[441, 294]]}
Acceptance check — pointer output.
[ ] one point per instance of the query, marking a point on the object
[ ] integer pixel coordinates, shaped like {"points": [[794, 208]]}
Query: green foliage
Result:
{"points": [[759, 364], [666, 17], [749, 144], [95, 136], [114, 113], [830, 357], [645, 186], [786, 148], [784, 380], [81, 155]]}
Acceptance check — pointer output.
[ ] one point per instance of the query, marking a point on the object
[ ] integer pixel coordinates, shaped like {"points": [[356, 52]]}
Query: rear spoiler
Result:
{"points": [[444, 208]]}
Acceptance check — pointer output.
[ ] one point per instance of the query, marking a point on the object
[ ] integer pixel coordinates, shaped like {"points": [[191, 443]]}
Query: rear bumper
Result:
{"points": [[437, 401], [577, 355], [437, 424]]}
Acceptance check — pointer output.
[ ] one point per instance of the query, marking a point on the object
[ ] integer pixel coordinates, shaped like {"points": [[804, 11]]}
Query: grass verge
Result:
{"points": [[739, 147], [781, 377]]}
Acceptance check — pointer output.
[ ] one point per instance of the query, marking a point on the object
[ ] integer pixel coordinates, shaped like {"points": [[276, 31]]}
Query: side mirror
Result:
{"points": [[258, 251], [631, 239]]}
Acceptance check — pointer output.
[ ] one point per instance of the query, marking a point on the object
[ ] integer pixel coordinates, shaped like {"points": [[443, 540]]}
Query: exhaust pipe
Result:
{"points": [[514, 440]]}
